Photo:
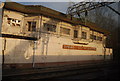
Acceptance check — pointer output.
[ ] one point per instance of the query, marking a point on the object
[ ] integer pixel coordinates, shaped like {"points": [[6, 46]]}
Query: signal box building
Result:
{"points": [[36, 36]]}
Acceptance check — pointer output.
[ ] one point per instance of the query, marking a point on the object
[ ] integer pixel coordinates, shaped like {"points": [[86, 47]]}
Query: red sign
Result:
{"points": [[78, 47]]}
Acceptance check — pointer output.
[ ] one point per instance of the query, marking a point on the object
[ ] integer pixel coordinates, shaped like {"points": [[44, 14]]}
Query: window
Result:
{"points": [[93, 37], [13, 22], [65, 31], [84, 35], [75, 34], [31, 26], [99, 38], [49, 27]]}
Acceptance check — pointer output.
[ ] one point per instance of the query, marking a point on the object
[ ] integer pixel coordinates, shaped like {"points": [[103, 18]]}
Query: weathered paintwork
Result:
{"points": [[49, 46]]}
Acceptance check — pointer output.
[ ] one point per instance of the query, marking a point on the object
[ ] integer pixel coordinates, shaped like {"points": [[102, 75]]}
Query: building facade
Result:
{"points": [[36, 35]]}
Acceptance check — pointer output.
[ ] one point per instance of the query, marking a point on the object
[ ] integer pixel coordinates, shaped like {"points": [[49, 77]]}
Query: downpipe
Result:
{"points": [[34, 53]]}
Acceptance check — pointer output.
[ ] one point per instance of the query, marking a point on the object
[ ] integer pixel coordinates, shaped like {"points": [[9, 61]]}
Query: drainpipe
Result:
{"points": [[34, 48]]}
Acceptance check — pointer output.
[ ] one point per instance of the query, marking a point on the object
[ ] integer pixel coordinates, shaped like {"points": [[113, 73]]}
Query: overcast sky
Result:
{"points": [[59, 5]]}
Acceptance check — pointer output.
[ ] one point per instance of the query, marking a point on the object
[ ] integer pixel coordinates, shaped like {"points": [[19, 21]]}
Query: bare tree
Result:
{"points": [[109, 20]]}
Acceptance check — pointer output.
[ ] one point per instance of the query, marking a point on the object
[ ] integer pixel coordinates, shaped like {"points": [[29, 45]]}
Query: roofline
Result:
{"points": [[39, 10]]}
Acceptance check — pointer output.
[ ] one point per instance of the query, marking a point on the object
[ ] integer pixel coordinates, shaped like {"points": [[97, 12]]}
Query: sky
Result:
{"points": [[62, 0], [62, 7], [58, 6], [53, 4]]}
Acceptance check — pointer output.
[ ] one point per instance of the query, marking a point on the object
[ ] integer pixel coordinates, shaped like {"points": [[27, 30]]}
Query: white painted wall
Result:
{"points": [[49, 46]]}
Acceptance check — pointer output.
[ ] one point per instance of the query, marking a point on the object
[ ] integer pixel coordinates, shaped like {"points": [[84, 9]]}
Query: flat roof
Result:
{"points": [[41, 10]]}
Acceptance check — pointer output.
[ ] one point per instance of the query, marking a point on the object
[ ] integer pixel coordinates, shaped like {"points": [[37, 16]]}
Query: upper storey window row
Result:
{"points": [[94, 37], [67, 31], [84, 35], [52, 28]]}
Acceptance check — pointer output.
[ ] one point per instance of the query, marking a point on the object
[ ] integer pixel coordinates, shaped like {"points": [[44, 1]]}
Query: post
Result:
{"points": [[34, 48]]}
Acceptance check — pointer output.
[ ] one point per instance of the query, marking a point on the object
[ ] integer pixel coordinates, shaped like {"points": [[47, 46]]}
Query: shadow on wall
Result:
{"points": [[23, 52], [17, 53]]}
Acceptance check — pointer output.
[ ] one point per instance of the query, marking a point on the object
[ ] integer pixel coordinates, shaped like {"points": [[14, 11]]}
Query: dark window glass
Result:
{"points": [[18, 20], [13, 22], [93, 37], [49, 27], [32, 26], [75, 34], [99, 38], [13, 19], [84, 35], [9, 20], [65, 31]]}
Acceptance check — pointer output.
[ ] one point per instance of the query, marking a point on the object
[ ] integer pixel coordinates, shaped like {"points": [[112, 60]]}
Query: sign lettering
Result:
{"points": [[72, 47]]}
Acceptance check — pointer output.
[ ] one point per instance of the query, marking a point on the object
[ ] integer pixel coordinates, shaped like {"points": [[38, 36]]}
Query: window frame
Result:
{"points": [[76, 34], [93, 37], [62, 33], [99, 38], [30, 27], [83, 35], [54, 29]]}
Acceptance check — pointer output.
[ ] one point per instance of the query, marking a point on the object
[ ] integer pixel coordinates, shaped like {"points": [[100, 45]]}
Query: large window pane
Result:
{"points": [[65, 31], [99, 38], [31, 26], [75, 34], [84, 35], [93, 37], [49, 27]]}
